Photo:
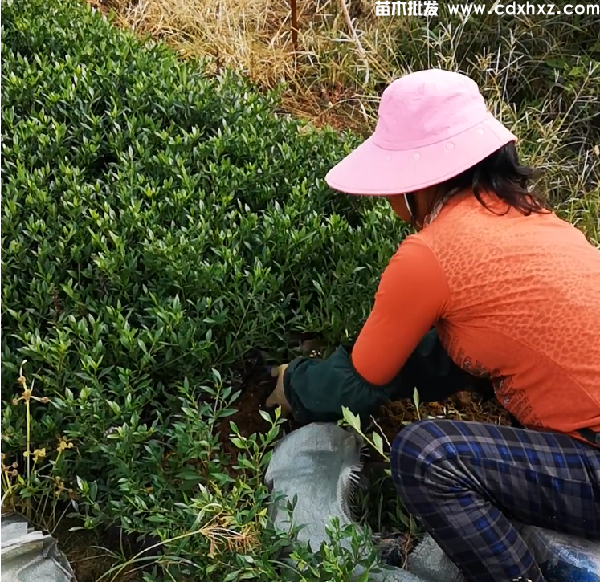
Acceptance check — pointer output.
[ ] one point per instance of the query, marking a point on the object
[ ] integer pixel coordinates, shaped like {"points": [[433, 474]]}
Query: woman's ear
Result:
{"points": [[419, 203], [398, 204]]}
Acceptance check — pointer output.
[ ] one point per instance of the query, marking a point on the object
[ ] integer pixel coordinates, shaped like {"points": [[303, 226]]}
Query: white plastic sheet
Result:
{"points": [[29, 555]]}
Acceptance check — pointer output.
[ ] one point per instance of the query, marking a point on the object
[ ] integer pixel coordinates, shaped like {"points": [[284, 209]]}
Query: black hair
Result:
{"points": [[500, 174]]}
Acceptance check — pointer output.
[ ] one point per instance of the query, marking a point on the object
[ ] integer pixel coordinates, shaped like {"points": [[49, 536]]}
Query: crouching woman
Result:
{"points": [[492, 288]]}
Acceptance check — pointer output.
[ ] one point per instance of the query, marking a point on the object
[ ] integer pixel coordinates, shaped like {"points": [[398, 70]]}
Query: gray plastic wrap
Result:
{"points": [[319, 464], [563, 558], [29, 555]]}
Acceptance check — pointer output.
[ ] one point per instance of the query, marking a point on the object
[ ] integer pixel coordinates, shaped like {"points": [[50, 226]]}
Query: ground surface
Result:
{"points": [[92, 554], [463, 406]]}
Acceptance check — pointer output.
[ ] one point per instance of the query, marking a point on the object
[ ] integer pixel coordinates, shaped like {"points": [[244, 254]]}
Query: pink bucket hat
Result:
{"points": [[432, 125]]}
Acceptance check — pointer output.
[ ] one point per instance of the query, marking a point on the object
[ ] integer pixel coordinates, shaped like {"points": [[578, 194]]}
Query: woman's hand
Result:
{"points": [[277, 397]]}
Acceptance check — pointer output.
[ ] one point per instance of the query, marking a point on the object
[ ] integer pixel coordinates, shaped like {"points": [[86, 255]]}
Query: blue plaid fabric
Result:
{"points": [[465, 481]]}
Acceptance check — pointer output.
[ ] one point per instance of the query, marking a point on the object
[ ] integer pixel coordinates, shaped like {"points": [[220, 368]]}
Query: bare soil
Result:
{"points": [[255, 391], [462, 406], [92, 554], [256, 384]]}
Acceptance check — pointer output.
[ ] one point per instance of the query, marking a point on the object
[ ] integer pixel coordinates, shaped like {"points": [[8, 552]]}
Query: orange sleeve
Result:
{"points": [[411, 297]]}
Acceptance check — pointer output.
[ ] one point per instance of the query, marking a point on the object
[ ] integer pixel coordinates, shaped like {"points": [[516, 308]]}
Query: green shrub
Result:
{"points": [[156, 226]]}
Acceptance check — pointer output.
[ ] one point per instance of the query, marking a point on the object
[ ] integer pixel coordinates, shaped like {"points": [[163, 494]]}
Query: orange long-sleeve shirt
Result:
{"points": [[513, 297]]}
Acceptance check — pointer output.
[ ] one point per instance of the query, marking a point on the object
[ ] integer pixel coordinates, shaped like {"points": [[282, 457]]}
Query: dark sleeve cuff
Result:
{"points": [[318, 389]]}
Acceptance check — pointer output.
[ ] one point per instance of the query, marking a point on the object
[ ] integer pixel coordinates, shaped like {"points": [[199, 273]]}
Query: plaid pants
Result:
{"points": [[465, 481]]}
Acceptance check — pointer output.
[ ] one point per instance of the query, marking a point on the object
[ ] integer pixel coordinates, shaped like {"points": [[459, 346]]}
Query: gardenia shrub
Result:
{"points": [[157, 225]]}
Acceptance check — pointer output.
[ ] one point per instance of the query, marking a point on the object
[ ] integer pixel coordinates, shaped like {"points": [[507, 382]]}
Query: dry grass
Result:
{"points": [[341, 45], [334, 69], [325, 68]]}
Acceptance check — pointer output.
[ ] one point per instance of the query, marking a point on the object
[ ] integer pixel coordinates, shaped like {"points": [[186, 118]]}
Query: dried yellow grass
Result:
{"points": [[324, 70]]}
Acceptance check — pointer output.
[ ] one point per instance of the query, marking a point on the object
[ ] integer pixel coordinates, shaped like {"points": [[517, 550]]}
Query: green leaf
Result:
{"points": [[265, 415], [416, 398], [239, 443], [189, 474], [352, 419], [378, 442]]}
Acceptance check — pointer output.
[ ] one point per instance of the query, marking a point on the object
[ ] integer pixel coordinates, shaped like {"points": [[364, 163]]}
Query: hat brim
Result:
{"points": [[374, 171]]}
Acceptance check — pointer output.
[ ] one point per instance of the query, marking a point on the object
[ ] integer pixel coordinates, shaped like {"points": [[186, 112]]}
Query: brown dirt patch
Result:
{"points": [[462, 406], [255, 390], [92, 554], [256, 384]]}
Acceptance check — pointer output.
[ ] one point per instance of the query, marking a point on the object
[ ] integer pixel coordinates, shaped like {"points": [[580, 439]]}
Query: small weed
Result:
{"points": [[41, 488]]}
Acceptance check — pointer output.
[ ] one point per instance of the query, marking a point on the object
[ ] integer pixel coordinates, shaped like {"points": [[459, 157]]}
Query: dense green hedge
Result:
{"points": [[157, 224], [158, 221]]}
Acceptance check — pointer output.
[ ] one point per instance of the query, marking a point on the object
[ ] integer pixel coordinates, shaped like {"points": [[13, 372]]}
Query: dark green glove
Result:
{"points": [[317, 389]]}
